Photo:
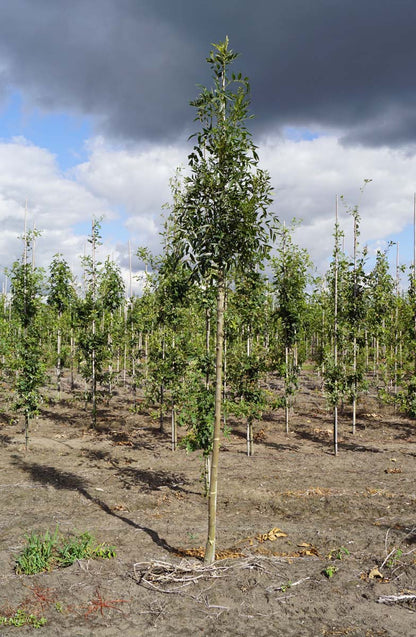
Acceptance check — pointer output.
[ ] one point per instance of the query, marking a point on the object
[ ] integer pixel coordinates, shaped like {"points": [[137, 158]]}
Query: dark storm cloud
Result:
{"points": [[133, 64]]}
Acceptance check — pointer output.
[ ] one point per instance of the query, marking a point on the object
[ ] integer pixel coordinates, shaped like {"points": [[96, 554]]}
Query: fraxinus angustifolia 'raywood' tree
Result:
{"points": [[61, 298], [26, 287], [291, 276], [333, 369], [221, 217], [111, 295], [246, 317], [88, 313]]}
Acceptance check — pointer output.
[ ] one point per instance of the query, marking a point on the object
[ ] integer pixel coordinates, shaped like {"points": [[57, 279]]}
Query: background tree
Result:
{"points": [[91, 339], [61, 298], [26, 287], [290, 278], [111, 299], [246, 349]]}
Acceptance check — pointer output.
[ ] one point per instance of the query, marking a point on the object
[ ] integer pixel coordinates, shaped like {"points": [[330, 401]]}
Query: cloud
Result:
{"points": [[133, 66], [30, 179], [130, 185], [307, 175], [136, 180]]}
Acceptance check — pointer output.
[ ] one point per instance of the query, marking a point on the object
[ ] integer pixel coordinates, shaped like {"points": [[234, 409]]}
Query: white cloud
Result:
{"points": [[30, 178], [130, 185], [135, 181], [307, 176]]}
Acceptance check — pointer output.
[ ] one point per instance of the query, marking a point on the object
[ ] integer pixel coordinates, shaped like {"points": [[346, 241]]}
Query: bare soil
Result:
{"points": [[310, 543]]}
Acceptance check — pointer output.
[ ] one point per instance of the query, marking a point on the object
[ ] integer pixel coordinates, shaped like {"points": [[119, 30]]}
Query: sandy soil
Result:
{"points": [[342, 515]]}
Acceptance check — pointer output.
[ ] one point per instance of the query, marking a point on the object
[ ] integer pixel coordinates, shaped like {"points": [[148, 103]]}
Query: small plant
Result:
{"points": [[104, 552], [43, 553], [330, 571], [22, 618], [98, 604], [338, 554], [38, 554], [285, 587], [395, 557], [81, 547]]}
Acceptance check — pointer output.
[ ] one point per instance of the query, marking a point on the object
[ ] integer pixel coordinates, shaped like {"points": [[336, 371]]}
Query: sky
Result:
{"points": [[95, 116]]}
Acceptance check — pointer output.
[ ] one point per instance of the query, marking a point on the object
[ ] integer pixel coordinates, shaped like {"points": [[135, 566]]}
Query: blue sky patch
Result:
{"points": [[62, 134]]}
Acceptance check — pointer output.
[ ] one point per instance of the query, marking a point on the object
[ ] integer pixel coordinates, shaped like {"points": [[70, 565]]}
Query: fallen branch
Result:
{"points": [[166, 577], [394, 599]]}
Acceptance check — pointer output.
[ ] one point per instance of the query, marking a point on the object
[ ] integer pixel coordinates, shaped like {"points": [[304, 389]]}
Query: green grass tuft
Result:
{"points": [[48, 551]]}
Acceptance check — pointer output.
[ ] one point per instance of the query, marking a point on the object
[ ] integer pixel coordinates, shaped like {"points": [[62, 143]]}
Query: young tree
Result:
{"points": [[290, 269], [61, 298], [246, 351], [91, 340], [220, 214], [26, 287], [111, 295]]}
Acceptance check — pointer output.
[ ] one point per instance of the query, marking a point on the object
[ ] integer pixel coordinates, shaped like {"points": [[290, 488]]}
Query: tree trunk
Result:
{"points": [[286, 388], [162, 392], [213, 487], [94, 380], [249, 437], [72, 347], [174, 429], [336, 333], [58, 355], [207, 343], [354, 400], [26, 431]]}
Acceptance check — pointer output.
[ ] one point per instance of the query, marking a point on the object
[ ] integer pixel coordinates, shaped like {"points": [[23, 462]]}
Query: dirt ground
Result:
{"points": [[311, 543]]}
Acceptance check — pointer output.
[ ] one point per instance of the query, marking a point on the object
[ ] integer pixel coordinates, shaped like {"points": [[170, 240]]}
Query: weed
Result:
{"points": [[329, 571], [38, 554], [284, 587], [22, 618], [98, 604], [43, 553], [338, 554], [104, 552], [42, 598], [392, 561]]}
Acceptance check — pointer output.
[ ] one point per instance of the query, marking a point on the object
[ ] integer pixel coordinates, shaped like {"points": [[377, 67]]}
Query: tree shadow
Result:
{"points": [[96, 454], [400, 426], [151, 480], [4, 419], [328, 442], [71, 482], [312, 437], [125, 438], [76, 420], [353, 446], [147, 480], [406, 533], [279, 447]]}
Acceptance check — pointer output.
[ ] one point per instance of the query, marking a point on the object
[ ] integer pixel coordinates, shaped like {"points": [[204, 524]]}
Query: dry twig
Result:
{"points": [[394, 599], [166, 577]]}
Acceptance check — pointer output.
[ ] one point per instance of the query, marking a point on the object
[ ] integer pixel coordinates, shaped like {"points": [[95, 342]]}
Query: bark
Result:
{"points": [[58, 353], [174, 429], [249, 437], [213, 487]]}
